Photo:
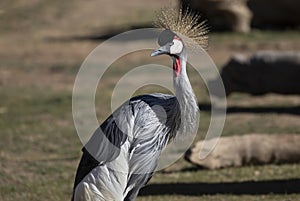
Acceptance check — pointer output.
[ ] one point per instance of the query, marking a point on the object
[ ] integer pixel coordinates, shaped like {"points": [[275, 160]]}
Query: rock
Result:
{"points": [[248, 149], [275, 13], [263, 72], [228, 14], [239, 15]]}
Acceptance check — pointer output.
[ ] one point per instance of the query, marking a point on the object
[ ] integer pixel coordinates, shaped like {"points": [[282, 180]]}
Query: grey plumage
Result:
{"points": [[123, 153], [136, 145], [148, 134]]}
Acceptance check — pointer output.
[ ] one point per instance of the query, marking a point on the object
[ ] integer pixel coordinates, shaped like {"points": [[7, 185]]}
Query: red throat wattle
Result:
{"points": [[176, 66]]}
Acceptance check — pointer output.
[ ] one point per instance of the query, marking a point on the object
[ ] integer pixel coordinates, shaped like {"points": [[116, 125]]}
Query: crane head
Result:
{"points": [[170, 44]]}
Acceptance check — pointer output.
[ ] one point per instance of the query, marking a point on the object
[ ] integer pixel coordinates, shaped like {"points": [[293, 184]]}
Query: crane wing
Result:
{"points": [[156, 121], [141, 128], [105, 144]]}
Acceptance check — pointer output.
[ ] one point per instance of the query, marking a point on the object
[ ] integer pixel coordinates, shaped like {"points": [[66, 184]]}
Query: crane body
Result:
{"points": [[134, 152], [121, 156]]}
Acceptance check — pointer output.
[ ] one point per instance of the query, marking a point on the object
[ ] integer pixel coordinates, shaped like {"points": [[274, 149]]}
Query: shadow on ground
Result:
{"points": [[236, 188], [107, 34], [294, 110]]}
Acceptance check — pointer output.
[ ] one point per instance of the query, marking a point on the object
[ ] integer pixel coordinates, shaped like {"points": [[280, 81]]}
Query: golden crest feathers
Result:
{"points": [[185, 23]]}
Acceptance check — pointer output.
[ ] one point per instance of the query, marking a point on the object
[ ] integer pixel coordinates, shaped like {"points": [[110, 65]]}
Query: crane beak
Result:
{"points": [[160, 51]]}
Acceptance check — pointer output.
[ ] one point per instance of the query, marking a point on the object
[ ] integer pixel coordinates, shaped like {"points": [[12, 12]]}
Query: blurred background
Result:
{"points": [[254, 43]]}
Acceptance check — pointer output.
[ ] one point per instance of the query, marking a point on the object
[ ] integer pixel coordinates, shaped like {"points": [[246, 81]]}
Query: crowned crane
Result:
{"points": [[122, 154]]}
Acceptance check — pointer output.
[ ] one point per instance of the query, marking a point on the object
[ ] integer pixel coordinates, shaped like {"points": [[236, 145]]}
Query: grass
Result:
{"points": [[36, 153], [40, 149], [256, 36]]}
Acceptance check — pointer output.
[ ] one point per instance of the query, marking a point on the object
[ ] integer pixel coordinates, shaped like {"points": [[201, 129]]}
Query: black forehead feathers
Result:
{"points": [[165, 37]]}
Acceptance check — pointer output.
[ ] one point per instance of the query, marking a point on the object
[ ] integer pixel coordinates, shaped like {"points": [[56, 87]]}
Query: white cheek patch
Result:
{"points": [[177, 47]]}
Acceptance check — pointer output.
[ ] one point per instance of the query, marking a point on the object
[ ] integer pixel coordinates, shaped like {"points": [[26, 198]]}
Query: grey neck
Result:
{"points": [[186, 98]]}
